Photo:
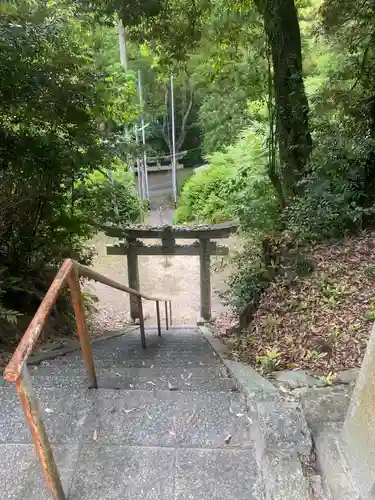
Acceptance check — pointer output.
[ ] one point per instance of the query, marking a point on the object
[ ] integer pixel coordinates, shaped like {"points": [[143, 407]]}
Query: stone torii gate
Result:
{"points": [[202, 247]]}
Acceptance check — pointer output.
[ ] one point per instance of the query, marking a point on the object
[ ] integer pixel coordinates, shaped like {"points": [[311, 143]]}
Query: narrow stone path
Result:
{"points": [[167, 423]]}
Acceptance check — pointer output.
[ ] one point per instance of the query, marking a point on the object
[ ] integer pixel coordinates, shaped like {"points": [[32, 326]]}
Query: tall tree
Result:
{"points": [[59, 111], [292, 127], [176, 28]]}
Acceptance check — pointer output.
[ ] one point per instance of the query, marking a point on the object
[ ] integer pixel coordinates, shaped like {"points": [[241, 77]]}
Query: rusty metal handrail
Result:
{"points": [[16, 370]]}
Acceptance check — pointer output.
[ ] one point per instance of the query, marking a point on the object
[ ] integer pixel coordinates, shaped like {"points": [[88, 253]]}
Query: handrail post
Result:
{"points": [[133, 277], [79, 311], [170, 312], [43, 448], [158, 317], [205, 279], [141, 322], [166, 314]]}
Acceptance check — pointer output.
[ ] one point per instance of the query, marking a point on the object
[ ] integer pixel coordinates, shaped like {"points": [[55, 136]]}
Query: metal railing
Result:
{"points": [[16, 370]]}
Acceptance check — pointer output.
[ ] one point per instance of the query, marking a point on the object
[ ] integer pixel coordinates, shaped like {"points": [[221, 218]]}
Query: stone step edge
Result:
{"points": [[332, 464], [247, 378], [282, 470], [283, 476], [74, 345]]}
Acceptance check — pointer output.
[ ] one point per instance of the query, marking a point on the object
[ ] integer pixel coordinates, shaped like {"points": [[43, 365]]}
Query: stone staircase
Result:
{"points": [[167, 423]]}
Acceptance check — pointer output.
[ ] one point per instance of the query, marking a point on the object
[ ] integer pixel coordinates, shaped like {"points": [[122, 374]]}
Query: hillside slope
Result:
{"points": [[319, 323]]}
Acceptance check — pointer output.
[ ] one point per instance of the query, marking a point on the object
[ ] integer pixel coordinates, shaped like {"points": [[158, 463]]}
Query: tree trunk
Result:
{"points": [[292, 127]]}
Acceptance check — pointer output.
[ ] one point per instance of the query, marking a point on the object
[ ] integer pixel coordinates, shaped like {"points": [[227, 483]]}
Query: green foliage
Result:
{"points": [[7, 315], [269, 361], [335, 194], [328, 379], [326, 211], [248, 281], [224, 112], [233, 185], [203, 197], [59, 122], [239, 95], [252, 197], [109, 196]]}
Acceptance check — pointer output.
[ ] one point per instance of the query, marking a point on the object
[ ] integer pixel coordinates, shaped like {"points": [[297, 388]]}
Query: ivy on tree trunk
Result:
{"points": [[292, 127]]}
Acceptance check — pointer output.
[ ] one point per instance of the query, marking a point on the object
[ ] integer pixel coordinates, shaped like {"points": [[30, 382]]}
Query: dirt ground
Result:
{"points": [[175, 277]]}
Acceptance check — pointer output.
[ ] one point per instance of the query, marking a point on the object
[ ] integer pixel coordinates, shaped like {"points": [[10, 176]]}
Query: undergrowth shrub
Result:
{"points": [[109, 196], [234, 185], [204, 195], [248, 280]]}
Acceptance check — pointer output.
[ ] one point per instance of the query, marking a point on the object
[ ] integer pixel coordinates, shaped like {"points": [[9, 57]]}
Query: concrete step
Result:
{"points": [[117, 360], [21, 476], [166, 423], [332, 463], [64, 412], [175, 335], [153, 418], [325, 410], [281, 439], [325, 405], [110, 472], [283, 476], [126, 352], [283, 427], [120, 362], [173, 419], [181, 379], [154, 343]]}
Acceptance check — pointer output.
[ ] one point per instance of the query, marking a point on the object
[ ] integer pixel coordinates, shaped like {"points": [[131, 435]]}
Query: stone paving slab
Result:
{"points": [[64, 413], [283, 476], [217, 475], [153, 341], [169, 426], [283, 426], [209, 420], [107, 472], [325, 405], [21, 475], [182, 379], [149, 361], [161, 348], [72, 364], [106, 359], [142, 379], [119, 354], [330, 452], [174, 336], [64, 366], [133, 418], [73, 382], [167, 418]]}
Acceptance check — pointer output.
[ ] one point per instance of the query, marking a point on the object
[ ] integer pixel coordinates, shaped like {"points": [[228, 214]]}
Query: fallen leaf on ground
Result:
{"points": [[228, 439], [129, 411]]}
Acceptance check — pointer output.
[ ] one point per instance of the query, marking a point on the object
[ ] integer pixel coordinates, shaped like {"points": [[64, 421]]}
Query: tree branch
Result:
{"points": [[165, 121], [182, 136], [364, 59]]}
